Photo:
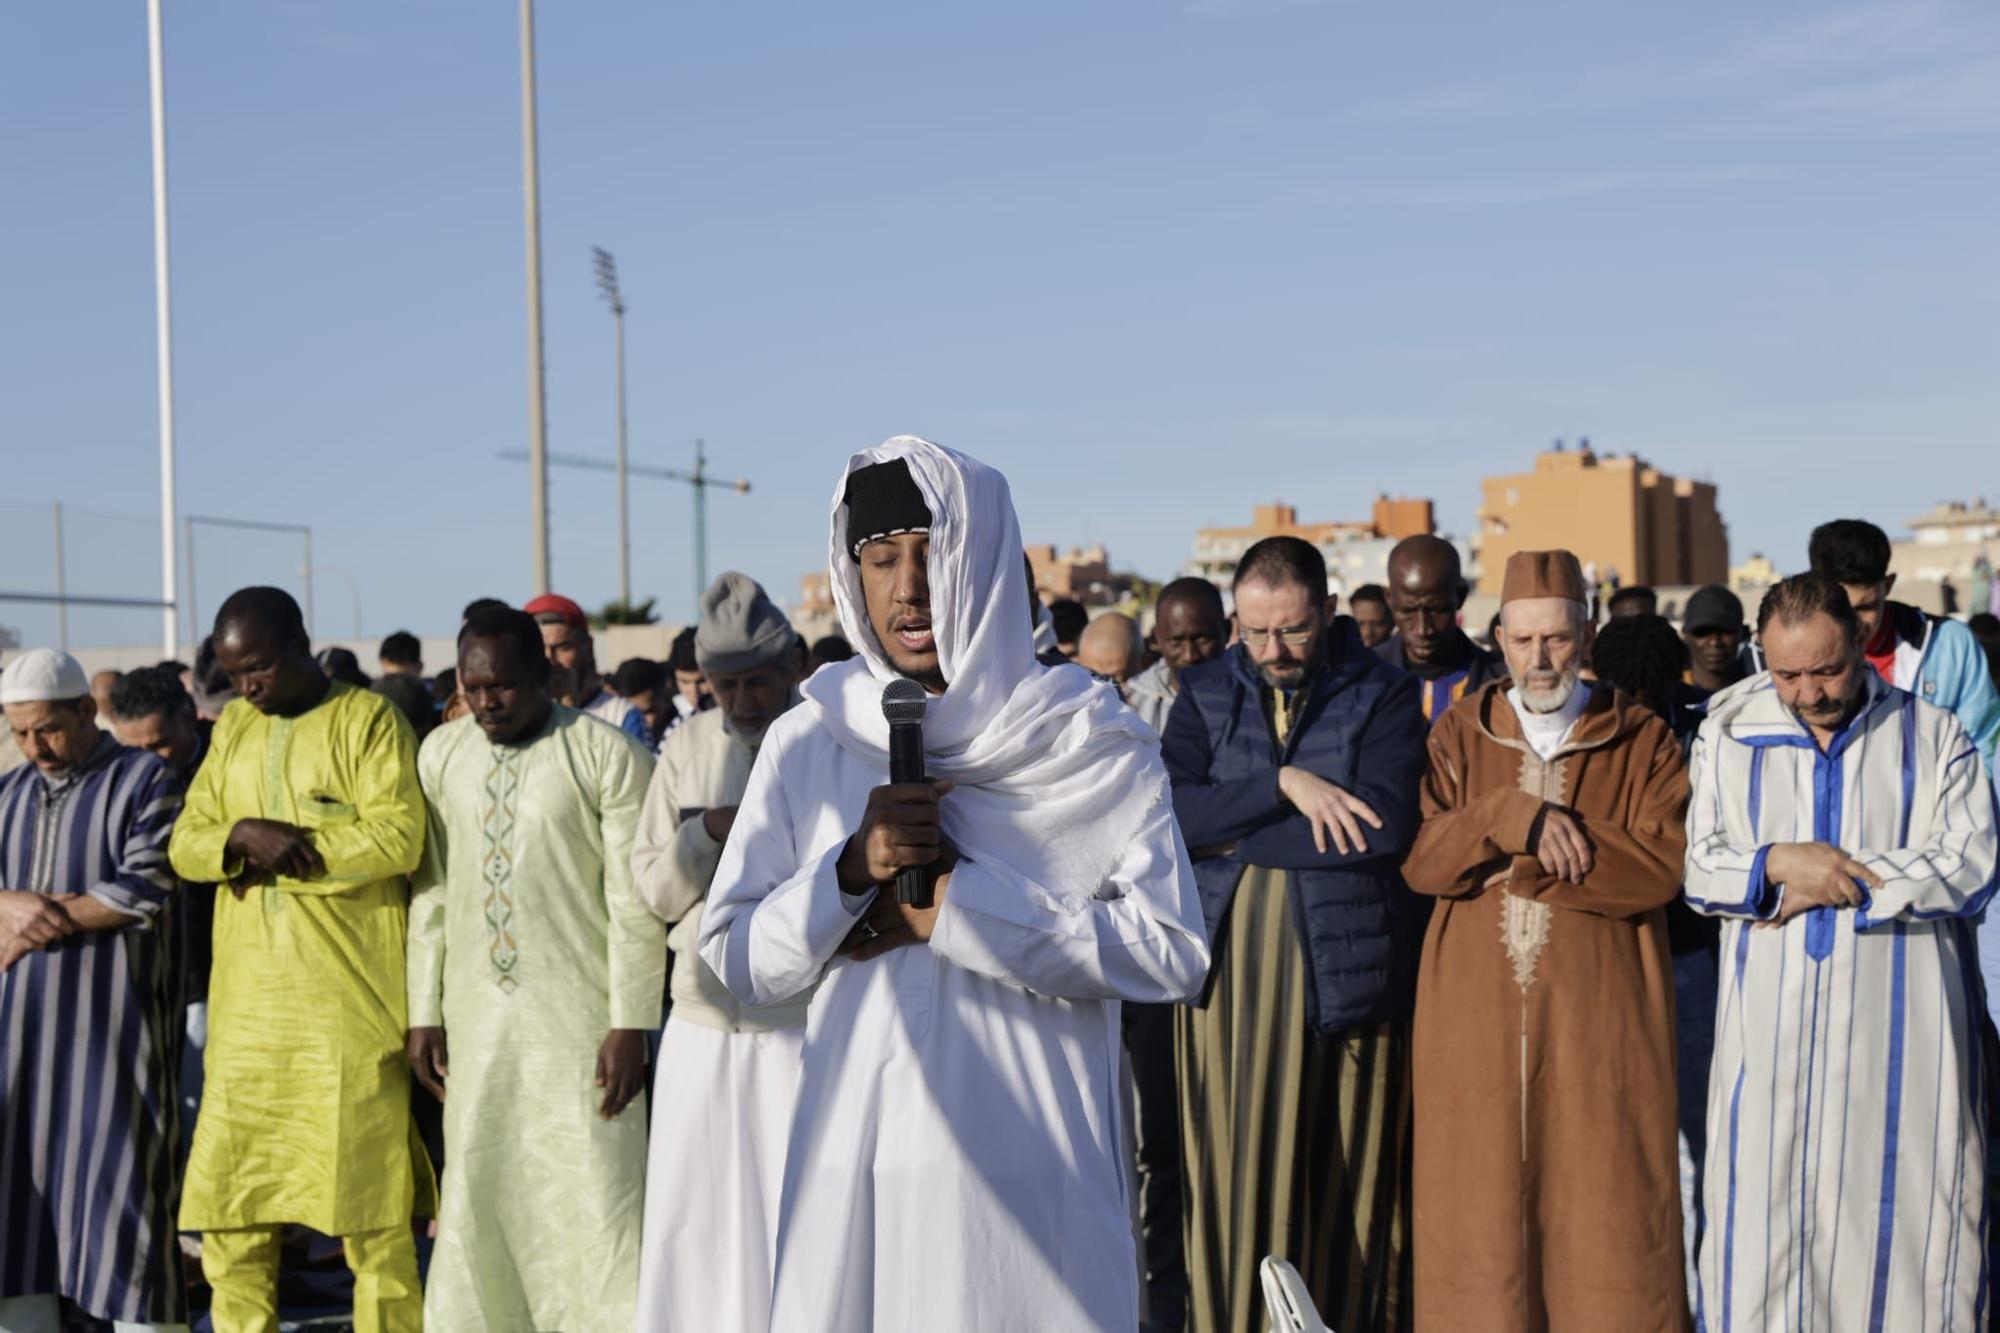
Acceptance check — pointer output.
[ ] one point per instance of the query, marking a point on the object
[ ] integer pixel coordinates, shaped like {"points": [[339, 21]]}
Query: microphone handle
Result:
{"points": [[906, 764]]}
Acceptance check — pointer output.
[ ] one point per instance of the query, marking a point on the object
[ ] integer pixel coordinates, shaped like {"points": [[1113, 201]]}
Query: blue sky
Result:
{"points": [[1159, 261]]}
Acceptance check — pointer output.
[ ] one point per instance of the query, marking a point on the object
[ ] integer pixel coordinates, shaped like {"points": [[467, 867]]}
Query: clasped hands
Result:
{"points": [[31, 921], [271, 849], [900, 828], [1815, 874], [1557, 840]]}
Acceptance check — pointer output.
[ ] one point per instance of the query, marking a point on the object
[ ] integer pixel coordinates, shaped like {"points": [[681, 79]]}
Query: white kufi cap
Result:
{"points": [[43, 675]]}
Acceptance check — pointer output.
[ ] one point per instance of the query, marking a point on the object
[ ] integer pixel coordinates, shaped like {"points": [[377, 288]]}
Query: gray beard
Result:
{"points": [[1551, 700], [754, 739]]}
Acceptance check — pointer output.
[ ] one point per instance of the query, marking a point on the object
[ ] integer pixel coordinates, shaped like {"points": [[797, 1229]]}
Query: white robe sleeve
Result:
{"points": [[1139, 937], [1723, 878], [424, 948], [637, 942], [1951, 873], [673, 859], [771, 925]]}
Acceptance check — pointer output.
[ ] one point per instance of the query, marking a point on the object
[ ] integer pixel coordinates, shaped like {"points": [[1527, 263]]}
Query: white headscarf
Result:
{"points": [[1053, 773]]}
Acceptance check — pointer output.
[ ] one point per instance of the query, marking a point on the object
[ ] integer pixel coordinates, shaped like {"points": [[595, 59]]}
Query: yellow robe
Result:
{"points": [[305, 1111]]}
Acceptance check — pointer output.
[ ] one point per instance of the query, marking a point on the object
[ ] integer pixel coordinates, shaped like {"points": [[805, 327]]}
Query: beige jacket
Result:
{"points": [[701, 766]]}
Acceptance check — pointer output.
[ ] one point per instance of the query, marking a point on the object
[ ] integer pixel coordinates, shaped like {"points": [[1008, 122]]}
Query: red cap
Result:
{"points": [[549, 604]]}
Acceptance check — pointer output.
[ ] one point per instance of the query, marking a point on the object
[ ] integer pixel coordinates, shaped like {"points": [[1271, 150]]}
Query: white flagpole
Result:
{"points": [[163, 301]]}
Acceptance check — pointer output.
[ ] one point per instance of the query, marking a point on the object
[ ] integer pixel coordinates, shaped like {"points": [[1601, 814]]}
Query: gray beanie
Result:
{"points": [[740, 629]]}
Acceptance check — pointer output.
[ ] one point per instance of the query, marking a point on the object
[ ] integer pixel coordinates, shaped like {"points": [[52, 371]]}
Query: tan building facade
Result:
{"points": [[1080, 574], [1948, 544], [815, 594], [1355, 552], [1623, 517]]}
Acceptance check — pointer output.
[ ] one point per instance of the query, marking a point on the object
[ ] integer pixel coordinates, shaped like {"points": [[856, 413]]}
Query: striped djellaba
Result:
{"points": [[88, 1046], [1297, 1141]]}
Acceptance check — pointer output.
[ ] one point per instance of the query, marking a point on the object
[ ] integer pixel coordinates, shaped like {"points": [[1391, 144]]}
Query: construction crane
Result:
{"points": [[698, 480]]}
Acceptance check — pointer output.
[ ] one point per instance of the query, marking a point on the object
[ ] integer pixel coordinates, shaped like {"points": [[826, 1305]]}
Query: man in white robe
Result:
{"points": [[728, 1071], [955, 1159], [1844, 831]]}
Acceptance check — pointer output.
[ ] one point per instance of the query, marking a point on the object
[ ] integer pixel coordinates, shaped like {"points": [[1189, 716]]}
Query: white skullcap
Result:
{"points": [[43, 675]]}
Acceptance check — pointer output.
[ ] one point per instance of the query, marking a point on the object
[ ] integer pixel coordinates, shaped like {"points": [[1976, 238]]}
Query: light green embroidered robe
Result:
{"points": [[528, 944]]}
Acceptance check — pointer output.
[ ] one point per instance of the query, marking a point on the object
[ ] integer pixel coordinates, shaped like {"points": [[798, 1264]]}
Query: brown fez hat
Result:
{"points": [[1543, 574]]}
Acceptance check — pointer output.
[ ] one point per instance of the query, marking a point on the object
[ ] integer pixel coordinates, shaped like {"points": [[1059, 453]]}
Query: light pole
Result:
{"points": [[163, 312], [531, 189], [607, 287]]}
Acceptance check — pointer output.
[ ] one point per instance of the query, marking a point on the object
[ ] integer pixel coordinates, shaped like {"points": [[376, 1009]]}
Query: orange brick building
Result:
{"points": [[1621, 515]]}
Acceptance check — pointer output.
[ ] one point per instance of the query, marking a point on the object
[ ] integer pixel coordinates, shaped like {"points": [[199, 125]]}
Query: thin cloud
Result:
{"points": [[1862, 37], [1900, 67], [1965, 100]]}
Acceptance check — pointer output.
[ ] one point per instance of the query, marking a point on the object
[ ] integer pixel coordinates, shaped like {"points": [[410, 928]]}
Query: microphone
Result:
{"points": [[903, 704]]}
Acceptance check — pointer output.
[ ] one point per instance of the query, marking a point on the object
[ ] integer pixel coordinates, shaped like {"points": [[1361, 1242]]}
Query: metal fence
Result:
{"points": [[73, 574]]}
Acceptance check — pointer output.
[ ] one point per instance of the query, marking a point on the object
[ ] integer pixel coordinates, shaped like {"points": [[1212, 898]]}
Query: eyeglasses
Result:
{"points": [[1261, 638]]}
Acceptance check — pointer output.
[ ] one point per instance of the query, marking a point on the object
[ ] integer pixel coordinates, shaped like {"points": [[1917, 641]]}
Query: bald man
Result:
{"points": [[101, 686], [1112, 648], [1427, 590]]}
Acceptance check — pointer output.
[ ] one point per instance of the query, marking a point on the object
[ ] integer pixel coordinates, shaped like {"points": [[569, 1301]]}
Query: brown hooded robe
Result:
{"points": [[1547, 1175]]}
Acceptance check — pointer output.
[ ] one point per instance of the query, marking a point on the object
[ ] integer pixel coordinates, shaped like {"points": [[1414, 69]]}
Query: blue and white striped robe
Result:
{"points": [[88, 1041], [1847, 1144]]}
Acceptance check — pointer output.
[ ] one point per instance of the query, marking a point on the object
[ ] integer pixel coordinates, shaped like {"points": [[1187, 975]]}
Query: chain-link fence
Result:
{"points": [[65, 567]]}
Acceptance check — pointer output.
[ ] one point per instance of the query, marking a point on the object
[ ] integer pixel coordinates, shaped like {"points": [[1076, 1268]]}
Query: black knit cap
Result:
{"points": [[883, 501]]}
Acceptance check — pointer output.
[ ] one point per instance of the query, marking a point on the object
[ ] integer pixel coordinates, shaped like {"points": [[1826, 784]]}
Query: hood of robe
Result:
{"points": [[1053, 773], [1609, 717], [1750, 711]]}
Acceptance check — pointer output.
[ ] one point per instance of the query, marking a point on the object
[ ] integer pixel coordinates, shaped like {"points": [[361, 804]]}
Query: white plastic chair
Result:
{"points": [[1286, 1301]]}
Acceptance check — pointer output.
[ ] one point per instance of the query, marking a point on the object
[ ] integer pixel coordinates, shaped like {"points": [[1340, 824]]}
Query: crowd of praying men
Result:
{"points": [[1593, 972]]}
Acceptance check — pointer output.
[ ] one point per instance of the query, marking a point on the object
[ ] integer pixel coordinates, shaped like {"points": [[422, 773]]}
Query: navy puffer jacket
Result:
{"points": [[1360, 727]]}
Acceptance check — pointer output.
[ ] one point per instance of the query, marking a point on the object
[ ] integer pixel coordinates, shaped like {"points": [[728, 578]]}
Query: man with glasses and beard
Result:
{"points": [[1295, 760], [955, 1160], [729, 1071], [1546, 1177]]}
